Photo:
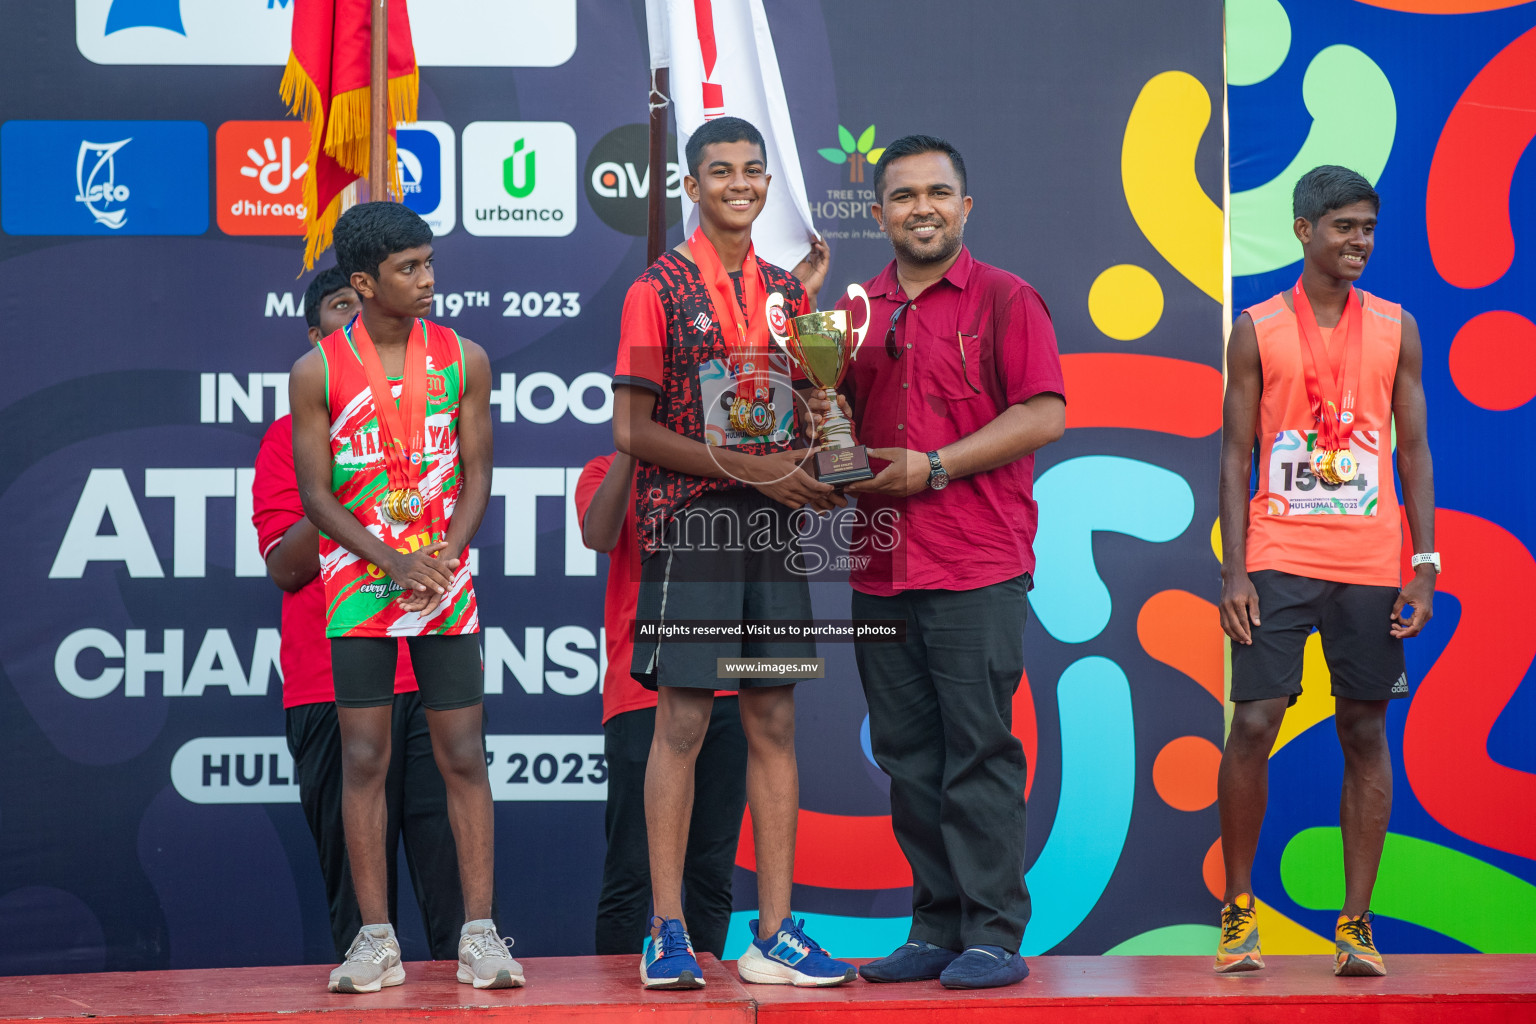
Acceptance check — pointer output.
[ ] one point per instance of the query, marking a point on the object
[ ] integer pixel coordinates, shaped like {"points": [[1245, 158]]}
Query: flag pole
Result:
{"points": [[378, 103], [656, 197]]}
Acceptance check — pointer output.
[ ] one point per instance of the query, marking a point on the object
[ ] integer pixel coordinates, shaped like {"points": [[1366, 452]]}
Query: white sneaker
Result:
{"points": [[484, 960], [373, 962]]}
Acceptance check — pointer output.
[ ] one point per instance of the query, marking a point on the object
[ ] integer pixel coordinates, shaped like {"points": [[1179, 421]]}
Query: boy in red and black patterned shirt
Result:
{"points": [[708, 410]]}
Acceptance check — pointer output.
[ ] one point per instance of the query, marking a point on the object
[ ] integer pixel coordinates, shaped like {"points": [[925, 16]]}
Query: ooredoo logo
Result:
{"points": [[617, 180], [520, 178], [259, 177]]}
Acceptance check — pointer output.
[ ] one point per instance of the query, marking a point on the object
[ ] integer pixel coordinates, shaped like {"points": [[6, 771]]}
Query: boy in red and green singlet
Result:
{"points": [[392, 446], [417, 803], [1316, 378]]}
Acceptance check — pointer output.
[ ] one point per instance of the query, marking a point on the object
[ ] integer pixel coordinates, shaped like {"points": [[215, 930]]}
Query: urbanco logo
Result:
{"points": [[617, 179], [520, 178]]}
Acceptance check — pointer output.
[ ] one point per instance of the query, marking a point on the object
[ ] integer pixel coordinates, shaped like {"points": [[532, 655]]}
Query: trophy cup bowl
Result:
{"points": [[822, 345]]}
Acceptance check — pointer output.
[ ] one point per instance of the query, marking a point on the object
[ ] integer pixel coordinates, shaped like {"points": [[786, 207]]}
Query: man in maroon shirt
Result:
{"points": [[964, 388], [417, 800]]}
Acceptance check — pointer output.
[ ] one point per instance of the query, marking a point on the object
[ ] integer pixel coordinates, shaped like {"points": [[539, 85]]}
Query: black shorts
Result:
{"points": [[730, 556], [1364, 659], [449, 672]]}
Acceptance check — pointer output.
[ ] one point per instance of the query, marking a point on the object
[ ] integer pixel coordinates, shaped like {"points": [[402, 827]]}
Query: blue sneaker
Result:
{"points": [[912, 961], [791, 957], [668, 960], [985, 967]]}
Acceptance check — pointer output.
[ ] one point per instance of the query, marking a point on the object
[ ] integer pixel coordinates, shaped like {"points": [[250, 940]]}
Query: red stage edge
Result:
{"points": [[1464, 989]]}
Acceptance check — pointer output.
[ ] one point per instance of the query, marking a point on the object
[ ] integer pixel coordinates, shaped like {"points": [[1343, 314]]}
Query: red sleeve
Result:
{"points": [[275, 503], [1026, 347], [587, 484], [642, 339]]}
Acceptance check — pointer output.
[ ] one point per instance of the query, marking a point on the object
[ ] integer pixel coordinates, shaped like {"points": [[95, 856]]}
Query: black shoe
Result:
{"points": [[913, 961]]}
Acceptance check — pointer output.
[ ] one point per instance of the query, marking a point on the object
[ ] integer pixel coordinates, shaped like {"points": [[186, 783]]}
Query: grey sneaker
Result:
{"points": [[484, 960], [373, 962]]}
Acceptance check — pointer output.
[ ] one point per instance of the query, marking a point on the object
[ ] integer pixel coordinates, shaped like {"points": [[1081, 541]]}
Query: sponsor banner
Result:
{"points": [[259, 173], [520, 178], [104, 178], [424, 150], [446, 33]]}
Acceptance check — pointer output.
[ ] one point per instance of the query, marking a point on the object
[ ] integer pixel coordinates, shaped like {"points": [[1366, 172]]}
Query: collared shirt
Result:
{"points": [[670, 344], [975, 342]]}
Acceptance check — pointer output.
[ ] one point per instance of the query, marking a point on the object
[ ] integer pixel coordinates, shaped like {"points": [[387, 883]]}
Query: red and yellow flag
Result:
{"points": [[326, 84]]}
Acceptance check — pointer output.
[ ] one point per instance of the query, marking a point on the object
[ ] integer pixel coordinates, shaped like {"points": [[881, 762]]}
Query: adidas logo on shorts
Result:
{"points": [[1401, 686]]}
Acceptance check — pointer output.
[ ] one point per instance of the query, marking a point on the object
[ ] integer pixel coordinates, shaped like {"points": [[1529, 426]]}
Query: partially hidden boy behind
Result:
{"points": [[710, 417], [392, 444], [605, 506], [417, 802]]}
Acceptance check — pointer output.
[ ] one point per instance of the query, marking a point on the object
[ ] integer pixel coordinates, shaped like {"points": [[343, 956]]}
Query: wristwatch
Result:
{"points": [[1431, 557], [938, 479]]}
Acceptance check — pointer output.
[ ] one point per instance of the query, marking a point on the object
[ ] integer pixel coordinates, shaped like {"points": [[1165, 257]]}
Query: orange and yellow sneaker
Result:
{"points": [[1356, 956], [1239, 946]]}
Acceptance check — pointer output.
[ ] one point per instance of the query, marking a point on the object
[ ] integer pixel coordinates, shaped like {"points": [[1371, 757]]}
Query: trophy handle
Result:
{"points": [[774, 310], [856, 291]]}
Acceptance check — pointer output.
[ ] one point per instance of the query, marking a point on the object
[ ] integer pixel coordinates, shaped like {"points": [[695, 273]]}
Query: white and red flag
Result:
{"points": [[722, 62]]}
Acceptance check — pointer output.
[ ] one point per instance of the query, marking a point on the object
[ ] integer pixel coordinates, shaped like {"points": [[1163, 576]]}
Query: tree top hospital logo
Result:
{"points": [[104, 178], [520, 178], [617, 180], [424, 151], [446, 33]]}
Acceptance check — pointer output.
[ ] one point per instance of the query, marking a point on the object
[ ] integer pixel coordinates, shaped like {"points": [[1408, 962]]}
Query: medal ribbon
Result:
{"points": [[402, 425], [1342, 383], [749, 341]]}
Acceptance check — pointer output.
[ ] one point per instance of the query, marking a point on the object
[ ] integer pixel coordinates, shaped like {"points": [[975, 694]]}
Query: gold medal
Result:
{"points": [[1344, 466], [403, 506], [1322, 466]]}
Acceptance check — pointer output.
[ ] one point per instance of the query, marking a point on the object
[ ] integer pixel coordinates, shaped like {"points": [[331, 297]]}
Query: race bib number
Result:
{"points": [[1294, 490], [718, 389]]}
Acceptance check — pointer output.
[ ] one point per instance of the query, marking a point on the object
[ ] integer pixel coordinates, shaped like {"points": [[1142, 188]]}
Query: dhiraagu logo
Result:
{"points": [[521, 164], [520, 178]]}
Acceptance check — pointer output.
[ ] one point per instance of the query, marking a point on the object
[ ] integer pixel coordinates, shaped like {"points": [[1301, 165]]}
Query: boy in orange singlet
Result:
{"points": [[1316, 377]]}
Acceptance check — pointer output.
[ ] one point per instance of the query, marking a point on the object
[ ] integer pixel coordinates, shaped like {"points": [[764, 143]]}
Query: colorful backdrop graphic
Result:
{"points": [[1436, 104], [148, 368]]}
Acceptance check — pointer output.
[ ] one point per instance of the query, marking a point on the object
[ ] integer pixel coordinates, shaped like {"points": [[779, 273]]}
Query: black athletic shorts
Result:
{"points": [[1364, 659], [448, 670], [727, 557]]}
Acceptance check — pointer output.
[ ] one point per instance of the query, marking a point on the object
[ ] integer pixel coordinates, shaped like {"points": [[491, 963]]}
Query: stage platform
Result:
{"points": [[1465, 989]]}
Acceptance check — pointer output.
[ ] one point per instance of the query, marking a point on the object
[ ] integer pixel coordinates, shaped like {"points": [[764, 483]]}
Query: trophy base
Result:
{"points": [[840, 466]]}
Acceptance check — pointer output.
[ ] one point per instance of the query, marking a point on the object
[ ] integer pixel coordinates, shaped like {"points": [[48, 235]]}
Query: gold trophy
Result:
{"points": [[822, 345]]}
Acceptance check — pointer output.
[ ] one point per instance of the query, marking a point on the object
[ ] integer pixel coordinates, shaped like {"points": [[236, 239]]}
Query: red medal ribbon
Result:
{"points": [[1333, 405], [403, 424], [749, 343]]}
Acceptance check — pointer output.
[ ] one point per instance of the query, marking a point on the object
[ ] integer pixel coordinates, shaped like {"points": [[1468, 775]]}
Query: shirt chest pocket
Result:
{"points": [[950, 365]]}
